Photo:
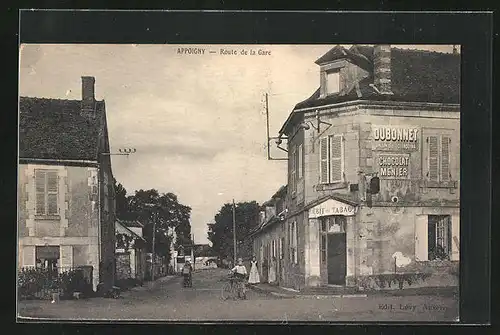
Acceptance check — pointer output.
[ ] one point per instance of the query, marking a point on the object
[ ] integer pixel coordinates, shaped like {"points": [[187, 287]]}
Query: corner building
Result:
{"points": [[379, 112]]}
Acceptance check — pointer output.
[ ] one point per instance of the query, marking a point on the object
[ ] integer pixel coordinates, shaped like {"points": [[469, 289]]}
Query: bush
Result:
{"points": [[40, 283]]}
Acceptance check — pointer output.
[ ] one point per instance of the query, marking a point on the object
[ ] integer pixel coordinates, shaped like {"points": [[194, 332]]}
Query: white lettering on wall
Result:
{"points": [[395, 138]]}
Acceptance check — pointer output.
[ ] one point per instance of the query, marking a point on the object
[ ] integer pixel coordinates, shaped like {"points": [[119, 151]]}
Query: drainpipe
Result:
{"points": [[99, 237]]}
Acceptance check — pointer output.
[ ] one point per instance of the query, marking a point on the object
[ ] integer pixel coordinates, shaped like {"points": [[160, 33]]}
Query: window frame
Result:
{"points": [[443, 224], [46, 192], [440, 157], [328, 160], [300, 161], [328, 76]]}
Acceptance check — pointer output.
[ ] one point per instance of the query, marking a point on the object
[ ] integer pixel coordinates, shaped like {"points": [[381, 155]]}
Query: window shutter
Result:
{"points": [[292, 169], [300, 161], [40, 192], [52, 190], [323, 158], [445, 158], [336, 158], [421, 238], [433, 158]]}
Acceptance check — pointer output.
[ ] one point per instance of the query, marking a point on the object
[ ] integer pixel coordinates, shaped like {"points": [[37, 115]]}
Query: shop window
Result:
{"points": [[323, 248], [439, 237], [282, 250], [293, 242], [434, 237]]}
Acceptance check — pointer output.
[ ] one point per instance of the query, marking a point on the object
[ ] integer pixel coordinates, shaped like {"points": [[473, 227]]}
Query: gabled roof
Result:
{"points": [[124, 226], [55, 129], [131, 223], [339, 52]]}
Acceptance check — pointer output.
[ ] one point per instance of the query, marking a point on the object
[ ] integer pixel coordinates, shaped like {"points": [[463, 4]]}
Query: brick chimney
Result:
{"points": [[88, 96], [382, 68]]}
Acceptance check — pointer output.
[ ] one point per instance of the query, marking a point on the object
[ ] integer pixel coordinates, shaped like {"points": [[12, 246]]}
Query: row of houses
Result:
{"points": [[373, 173], [66, 196]]}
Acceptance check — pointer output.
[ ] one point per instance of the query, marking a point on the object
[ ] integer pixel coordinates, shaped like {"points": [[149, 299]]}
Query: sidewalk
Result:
{"points": [[337, 293]]}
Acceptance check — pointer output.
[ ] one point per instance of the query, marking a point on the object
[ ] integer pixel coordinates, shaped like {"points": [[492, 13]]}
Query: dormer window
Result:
{"points": [[333, 82]]}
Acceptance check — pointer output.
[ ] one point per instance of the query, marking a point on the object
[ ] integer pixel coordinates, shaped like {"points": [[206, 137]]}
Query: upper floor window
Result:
{"points": [[438, 153], [296, 166], [46, 189], [300, 161], [331, 159], [332, 82]]}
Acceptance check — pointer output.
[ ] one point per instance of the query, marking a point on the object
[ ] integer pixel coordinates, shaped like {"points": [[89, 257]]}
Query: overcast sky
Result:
{"points": [[197, 121]]}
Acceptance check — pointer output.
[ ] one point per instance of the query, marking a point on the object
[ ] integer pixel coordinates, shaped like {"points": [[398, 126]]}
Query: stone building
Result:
{"points": [[66, 208], [130, 251], [373, 170]]}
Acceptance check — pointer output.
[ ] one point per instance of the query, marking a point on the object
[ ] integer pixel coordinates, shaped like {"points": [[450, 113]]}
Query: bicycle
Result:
{"points": [[233, 289]]}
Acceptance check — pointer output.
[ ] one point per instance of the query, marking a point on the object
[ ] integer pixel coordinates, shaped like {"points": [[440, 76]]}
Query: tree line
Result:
{"points": [[148, 206], [220, 232]]}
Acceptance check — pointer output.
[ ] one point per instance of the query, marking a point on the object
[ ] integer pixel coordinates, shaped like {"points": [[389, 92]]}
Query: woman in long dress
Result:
{"points": [[272, 271], [254, 277]]}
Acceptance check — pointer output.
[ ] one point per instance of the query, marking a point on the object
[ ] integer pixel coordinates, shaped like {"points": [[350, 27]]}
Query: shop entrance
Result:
{"points": [[336, 258], [334, 248]]}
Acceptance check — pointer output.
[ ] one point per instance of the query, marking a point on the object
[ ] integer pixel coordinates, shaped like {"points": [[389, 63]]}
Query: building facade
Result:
{"points": [[130, 251], [374, 170], [66, 208]]}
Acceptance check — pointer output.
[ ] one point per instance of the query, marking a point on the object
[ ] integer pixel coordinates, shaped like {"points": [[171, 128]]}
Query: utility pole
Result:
{"points": [[267, 128], [192, 251], [153, 258], [234, 229]]}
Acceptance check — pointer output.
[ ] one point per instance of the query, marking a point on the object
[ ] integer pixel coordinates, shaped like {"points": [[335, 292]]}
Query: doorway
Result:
{"points": [[337, 258], [47, 259], [333, 248]]}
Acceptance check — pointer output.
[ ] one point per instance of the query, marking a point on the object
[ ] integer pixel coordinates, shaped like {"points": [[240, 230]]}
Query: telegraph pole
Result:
{"points": [[192, 250], [234, 230], [267, 120], [153, 258]]}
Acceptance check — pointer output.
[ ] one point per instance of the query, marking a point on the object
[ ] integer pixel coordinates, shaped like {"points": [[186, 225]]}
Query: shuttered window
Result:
{"points": [[331, 159], [300, 161], [438, 158], [335, 158], [46, 189], [293, 164], [445, 158], [323, 157], [433, 158]]}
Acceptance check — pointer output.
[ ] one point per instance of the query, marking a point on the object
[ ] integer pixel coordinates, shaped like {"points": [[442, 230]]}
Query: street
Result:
{"points": [[166, 299]]}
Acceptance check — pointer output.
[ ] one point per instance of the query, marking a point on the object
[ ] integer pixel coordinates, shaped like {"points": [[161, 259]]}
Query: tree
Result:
{"points": [[220, 233], [148, 206]]}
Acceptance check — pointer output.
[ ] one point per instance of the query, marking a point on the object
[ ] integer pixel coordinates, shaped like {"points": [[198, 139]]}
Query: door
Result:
{"points": [[337, 258]]}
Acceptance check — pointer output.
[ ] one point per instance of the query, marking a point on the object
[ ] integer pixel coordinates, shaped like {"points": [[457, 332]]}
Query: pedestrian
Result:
{"points": [[272, 271], [187, 271], [254, 277]]}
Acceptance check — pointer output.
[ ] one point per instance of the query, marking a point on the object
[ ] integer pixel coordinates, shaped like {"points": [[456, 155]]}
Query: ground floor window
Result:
{"points": [[323, 248], [439, 237]]}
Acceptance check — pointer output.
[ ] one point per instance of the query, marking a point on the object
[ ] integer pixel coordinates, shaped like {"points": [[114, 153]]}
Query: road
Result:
{"points": [[168, 300]]}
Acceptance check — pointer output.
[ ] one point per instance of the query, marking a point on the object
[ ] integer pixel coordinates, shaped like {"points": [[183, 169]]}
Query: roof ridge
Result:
{"points": [[54, 99]]}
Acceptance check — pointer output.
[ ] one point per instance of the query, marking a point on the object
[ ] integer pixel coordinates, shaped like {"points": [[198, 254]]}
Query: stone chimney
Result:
{"points": [[88, 96], [382, 68]]}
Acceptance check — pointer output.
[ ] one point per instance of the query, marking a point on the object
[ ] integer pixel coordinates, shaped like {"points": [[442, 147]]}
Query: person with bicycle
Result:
{"points": [[240, 274]]}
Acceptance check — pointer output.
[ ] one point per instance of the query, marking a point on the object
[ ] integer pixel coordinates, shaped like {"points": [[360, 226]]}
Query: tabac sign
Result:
{"points": [[331, 207], [395, 138]]}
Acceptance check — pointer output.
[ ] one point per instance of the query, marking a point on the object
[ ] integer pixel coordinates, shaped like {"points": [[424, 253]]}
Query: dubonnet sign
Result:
{"points": [[331, 207], [395, 138]]}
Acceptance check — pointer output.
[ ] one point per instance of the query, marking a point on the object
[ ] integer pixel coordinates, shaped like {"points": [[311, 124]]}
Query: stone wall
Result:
{"points": [[123, 270]]}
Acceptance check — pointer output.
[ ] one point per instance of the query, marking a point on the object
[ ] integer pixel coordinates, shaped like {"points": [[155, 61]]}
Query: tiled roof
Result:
{"points": [[416, 75], [55, 129]]}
